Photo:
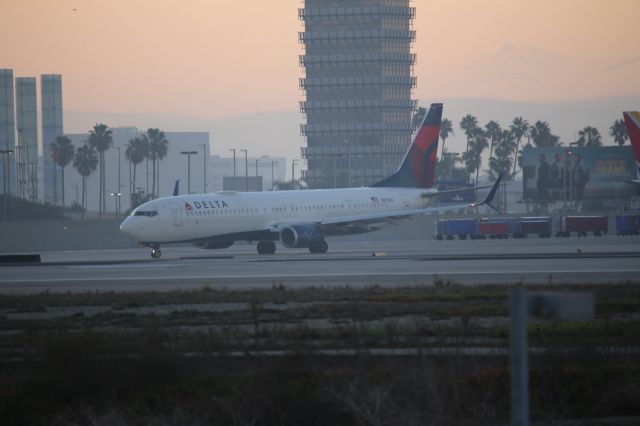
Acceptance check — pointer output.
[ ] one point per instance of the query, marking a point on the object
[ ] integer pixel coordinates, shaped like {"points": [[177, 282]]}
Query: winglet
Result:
{"points": [[176, 188], [489, 198]]}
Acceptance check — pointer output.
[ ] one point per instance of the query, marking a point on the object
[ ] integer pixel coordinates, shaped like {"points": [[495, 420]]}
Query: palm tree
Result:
{"points": [[63, 151], [589, 136], [446, 129], [468, 124], [100, 138], [494, 132], [473, 157], [85, 162], [618, 131], [418, 116], [158, 147], [519, 127], [135, 152], [542, 136]]}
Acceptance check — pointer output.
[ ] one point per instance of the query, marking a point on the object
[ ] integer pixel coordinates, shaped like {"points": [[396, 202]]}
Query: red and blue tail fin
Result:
{"points": [[418, 167], [632, 120]]}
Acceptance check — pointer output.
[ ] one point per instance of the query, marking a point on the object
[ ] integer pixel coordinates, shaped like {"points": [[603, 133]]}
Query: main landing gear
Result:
{"points": [[266, 247], [155, 252], [319, 247]]}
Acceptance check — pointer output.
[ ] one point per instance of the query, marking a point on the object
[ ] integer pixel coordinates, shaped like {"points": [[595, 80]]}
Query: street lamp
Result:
{"points": [[234, 161], [293, 170], [117, 200], [5, 179], [246, 170], [272, 164], [119, 185], [188, 154]]}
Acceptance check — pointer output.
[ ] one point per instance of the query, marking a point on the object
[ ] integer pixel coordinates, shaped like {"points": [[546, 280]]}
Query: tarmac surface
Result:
{"points": [[361, 263]]}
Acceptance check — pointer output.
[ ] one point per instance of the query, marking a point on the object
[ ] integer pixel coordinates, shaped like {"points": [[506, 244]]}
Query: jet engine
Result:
{"points": [[213, 245], [296, 236]]}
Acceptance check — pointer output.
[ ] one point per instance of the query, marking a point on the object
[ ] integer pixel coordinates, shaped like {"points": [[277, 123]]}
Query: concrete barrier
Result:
{"points": [[44, 235]]}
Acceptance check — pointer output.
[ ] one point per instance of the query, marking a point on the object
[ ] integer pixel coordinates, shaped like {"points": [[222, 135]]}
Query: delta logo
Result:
{"points": [[213, 204]]}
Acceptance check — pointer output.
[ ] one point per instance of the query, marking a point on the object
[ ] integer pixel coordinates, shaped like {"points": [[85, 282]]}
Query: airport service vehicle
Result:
{"points": [[298, 219], [632, 120]]}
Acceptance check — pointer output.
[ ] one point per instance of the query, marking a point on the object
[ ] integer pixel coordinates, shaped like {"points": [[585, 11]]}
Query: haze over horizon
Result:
{"points": [[217, 65]]}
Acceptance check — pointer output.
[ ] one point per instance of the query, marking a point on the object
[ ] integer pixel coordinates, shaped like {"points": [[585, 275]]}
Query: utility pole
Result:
{"points": [[188, 154], [246, 170]]}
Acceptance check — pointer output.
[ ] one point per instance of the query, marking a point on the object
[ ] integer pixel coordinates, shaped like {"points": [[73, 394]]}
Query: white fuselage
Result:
{"points": [[186, 218]]}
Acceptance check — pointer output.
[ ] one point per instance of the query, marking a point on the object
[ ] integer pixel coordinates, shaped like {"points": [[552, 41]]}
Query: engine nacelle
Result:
{"points": [[213, 245], [296, 236]]}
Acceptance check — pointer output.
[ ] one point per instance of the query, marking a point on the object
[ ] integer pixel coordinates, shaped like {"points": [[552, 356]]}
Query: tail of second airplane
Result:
{"points": [[418, 167], [632, 120]]}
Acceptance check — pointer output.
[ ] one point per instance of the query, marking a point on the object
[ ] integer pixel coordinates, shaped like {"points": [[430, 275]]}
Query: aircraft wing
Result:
{"points": [[354, 224]]}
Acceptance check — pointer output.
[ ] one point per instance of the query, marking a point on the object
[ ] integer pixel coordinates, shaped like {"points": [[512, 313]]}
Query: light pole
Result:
{"points": [[234, 161], [117, 200], [246, 170], [188, 154], [293, 170], [272, 163], [204, 167], [119, 186], [5, 179]]}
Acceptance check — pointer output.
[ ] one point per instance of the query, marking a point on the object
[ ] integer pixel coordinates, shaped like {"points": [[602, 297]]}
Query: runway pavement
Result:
{"points": [[388, 263]]}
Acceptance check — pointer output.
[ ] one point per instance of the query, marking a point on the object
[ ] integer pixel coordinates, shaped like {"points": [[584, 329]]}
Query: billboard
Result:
{"points": [[574, 173]]}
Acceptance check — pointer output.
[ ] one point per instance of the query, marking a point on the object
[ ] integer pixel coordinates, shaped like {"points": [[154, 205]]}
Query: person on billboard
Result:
{"points": [[581, 175], [543, 178]]}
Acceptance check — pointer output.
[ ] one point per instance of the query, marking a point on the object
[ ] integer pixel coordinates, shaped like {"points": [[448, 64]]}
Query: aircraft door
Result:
{"points": [[177, 214]]}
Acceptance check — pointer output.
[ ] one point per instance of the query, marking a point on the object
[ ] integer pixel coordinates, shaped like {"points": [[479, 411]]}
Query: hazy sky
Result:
{"points": [[230, 67], [212, 58]]}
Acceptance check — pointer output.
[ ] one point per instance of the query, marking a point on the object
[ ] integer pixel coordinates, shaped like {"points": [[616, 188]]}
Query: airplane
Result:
{"points": [[632, 120], [300, 218]]}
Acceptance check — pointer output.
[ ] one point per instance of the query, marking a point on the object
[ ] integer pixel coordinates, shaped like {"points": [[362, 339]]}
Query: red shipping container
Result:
{"points": [[584, 224]]}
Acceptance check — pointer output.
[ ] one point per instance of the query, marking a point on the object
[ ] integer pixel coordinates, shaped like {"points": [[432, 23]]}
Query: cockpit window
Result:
{"points": [[148, 213]]}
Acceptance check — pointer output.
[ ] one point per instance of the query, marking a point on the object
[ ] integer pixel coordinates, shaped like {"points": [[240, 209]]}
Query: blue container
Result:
{"points": [[462, 227], [541, 225], [627, 224]]}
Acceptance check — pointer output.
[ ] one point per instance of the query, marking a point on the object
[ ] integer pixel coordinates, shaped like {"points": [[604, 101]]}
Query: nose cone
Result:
{"points": [[127, 227]]}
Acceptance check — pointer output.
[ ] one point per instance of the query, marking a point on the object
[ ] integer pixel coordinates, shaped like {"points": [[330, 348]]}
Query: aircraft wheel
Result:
{"points": [[266, 247], [156, 253], [321, 247]]}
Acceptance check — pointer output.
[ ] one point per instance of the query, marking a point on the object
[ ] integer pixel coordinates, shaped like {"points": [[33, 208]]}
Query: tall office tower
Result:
{"points": [[27, 143], [358, 79], [7, 133], [51, 99]]}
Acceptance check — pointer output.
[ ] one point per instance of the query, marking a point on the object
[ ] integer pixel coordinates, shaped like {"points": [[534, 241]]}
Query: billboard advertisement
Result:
{"points": [[575, 173]]}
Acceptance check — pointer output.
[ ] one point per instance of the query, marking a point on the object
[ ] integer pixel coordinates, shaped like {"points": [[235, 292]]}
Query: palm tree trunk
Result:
{"points": [[158, 176], [63, 205], [84, 179], [100, 187], [153, 175], [147, 177], [55, 185], [515, 159], [133, 185], [442, 153]]}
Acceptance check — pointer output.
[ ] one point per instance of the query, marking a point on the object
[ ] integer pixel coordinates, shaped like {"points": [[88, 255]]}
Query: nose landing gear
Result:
{"points": [[155, 252]]}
